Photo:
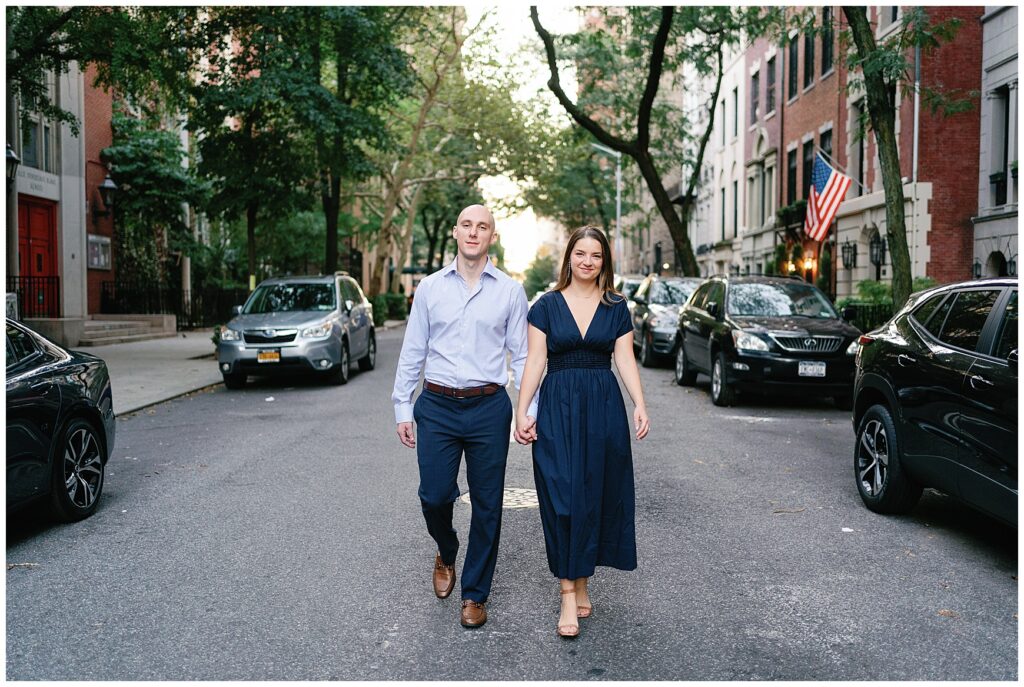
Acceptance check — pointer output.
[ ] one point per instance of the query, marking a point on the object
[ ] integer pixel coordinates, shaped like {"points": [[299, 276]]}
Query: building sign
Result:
{"points": [[35, 182]]}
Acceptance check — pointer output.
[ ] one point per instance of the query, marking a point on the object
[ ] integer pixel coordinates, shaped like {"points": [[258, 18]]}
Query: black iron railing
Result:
{"points": [[37, 296], [193, 309], [868, 316]]}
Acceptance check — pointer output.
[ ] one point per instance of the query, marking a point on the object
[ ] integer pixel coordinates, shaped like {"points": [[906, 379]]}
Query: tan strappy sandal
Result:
{"points": [[585, 611], [568, 631]]}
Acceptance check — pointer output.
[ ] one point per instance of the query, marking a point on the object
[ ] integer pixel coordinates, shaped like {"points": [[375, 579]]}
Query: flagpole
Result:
{"points": [[842, 169]]}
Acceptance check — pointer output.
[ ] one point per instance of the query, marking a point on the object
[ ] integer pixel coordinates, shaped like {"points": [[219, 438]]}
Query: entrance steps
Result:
{"points": [[101, 330]]}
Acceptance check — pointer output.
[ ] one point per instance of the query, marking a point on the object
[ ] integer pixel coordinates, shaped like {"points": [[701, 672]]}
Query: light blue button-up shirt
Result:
{"points": [[458, 337]]}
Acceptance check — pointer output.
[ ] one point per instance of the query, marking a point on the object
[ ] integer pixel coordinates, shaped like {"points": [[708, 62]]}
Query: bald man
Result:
{"points": [[464, 318]]}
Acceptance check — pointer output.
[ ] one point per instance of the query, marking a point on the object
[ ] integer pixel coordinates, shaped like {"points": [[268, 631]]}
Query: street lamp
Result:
{"points": [[618, 193], [12, 165]]}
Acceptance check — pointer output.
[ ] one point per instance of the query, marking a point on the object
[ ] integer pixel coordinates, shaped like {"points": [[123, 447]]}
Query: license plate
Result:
{"points": [[811, 368], [268, 356]]}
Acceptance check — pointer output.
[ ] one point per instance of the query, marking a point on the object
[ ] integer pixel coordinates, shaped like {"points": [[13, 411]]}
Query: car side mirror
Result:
{"points": [[849, 313], [1012, 358], [349, 305], [712, 309], [236, 310]]}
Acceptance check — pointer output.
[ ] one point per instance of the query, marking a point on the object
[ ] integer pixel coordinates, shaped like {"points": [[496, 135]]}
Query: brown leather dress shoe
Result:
{"points": [[444, 578], [473, 613]]}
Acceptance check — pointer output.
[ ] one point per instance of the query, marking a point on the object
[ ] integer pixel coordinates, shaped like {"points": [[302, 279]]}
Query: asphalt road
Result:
{"points": [[274, 533]]}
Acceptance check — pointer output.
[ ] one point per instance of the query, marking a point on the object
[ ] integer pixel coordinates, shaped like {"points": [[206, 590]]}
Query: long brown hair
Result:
{"points": [[605, 278]]}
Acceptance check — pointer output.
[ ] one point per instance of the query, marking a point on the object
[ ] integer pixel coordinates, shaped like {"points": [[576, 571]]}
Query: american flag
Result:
{"points": [[828, 188]]}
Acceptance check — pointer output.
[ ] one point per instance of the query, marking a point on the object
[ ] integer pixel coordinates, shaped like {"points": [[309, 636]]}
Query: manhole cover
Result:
{"points": [[514, 497]]}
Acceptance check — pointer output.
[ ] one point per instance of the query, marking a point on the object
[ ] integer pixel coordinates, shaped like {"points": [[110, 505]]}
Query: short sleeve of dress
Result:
{"points": [[538, 315], [620, 314]]}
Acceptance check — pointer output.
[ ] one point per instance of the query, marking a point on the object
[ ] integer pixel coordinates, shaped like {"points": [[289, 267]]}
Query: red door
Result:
{"points": [[37, 255]]}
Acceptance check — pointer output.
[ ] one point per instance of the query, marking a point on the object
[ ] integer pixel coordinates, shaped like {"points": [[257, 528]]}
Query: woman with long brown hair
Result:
{"points": [[582, 460]]}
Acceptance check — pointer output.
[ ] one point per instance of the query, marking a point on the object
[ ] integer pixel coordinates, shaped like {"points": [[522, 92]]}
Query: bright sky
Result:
{"points": [[523, 233]]}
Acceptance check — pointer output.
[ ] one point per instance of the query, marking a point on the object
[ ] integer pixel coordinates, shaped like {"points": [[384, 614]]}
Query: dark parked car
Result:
{"points": [[655, 313], [627, 284], [936, 401], [765, 335], [60, 425], [299, 324]]}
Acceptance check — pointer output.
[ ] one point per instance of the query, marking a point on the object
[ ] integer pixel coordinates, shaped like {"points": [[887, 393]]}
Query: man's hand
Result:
{"points": [[406, 434], [526, 430]]}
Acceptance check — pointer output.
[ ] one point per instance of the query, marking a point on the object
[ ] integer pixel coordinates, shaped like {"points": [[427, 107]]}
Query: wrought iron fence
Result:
{"points": [[193, 309], [37, 296], [868, 316]]}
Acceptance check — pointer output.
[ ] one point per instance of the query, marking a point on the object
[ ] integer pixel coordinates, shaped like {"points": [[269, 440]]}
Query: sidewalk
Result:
{"points": [[146, 372]]}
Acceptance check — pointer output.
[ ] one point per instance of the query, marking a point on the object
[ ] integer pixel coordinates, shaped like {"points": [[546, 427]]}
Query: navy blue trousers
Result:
{"points": [[445, 429]]}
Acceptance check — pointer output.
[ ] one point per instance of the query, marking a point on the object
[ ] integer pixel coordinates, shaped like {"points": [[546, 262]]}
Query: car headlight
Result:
{"points": [[852, 348], [229, 334], [745, 341], [317, 331]]}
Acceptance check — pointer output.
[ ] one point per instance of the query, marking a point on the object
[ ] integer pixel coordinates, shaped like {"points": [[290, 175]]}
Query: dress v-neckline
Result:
{"points": [[582, 334]]}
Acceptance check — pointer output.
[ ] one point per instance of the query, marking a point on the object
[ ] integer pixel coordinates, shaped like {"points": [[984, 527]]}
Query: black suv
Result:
{"points": [[765, 335], [936, 401], [655, 313]]}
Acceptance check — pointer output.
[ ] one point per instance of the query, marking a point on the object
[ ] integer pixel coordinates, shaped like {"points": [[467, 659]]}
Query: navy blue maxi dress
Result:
{"points": [[582, 460]]}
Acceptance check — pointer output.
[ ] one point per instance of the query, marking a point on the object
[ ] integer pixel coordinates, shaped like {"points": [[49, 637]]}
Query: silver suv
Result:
{"points": [[299, 324]]}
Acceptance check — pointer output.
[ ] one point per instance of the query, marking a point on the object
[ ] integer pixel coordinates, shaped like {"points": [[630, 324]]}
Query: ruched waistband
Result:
{"points": [[581, 358]]}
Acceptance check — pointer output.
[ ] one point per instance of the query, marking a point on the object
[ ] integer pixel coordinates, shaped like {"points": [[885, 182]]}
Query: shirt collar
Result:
{"points": [[489, 268]]}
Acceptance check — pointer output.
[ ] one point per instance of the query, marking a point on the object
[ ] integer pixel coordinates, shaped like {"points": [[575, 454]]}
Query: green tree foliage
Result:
{"points": [[825, 269], [622, 60], [146, 163], [540, 273], [144, 53]]}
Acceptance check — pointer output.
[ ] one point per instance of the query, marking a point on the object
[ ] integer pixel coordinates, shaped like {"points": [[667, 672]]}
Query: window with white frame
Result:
{"points": [[99, 252]]}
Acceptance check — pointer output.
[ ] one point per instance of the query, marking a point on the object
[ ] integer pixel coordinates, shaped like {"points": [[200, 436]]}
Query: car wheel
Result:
{"points": [[646, 353], [369, 361], [235, 380], [883, 484], [339, 375], [722, 394], [685, 375], [844, 402], [77, 472]]}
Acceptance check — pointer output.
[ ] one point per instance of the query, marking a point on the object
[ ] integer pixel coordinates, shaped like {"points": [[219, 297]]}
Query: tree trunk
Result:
{"points": [[881, 100], [250, 222], [331, 204], [405, 238]]}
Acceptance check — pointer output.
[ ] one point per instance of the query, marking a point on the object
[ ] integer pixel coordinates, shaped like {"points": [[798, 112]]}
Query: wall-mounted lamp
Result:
{"points": [[849, 251], [791, 267], [1011, 266], [976, 269], [107, 191], [12, 166], [809, 262]]}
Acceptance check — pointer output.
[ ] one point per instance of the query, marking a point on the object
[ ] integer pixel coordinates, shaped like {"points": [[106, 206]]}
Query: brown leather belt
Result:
{"points": [[467, 392]]}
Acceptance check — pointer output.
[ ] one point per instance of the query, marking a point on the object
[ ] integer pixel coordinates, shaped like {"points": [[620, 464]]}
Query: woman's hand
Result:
{"points": [[526, 428], [640, 421]]}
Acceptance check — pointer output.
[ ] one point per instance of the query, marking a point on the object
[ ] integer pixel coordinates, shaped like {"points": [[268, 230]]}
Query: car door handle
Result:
{"points": [[903, 359], [978, 379]]}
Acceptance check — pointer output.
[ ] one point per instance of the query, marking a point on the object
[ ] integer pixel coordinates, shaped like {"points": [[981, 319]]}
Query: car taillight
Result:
{"points": [[864, 340]]}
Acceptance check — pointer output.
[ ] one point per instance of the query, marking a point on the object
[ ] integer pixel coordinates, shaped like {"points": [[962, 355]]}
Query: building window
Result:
{"points": [[38, 137], [1000, 167], [723, 120], [99, 252], [755, 96], [794, 57], [826, 40], [735, 208], [723, 213], [791, 177], [769, 94], [887, 16], [826, 144], [735, 112], [808, 166], [808, 60], [767, 193]]}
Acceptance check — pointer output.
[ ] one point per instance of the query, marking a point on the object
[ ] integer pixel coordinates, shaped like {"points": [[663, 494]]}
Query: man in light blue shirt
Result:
{"points": [[463, 321]]}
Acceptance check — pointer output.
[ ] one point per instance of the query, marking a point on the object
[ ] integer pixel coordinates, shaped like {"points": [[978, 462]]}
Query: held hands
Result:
{"points": [[526, 429], [406, 434], [643, 425]]}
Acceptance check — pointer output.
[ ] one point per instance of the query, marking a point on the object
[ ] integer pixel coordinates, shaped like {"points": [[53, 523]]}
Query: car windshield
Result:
{"points": [[290, 298], [778, 300], [671, 292], [629, 288]]}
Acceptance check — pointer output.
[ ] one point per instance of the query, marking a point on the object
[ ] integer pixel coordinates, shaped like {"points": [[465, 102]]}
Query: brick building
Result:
{"points": [[99, 222]]}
